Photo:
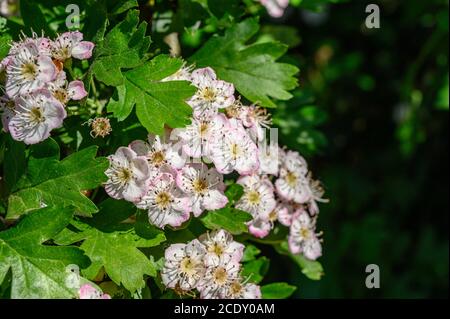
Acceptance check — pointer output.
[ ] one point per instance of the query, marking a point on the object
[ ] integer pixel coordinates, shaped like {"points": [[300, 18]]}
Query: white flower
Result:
{"points": [[28, 71], [196, 137], [258, 198], [260, 226], [316, 195], [302, 237], [212, 94], [238, 289], [64, 91], [257, 120], [88, 292], [292, 181], [234, 150], [71, 44], [165, 203], [220, 244], [275, 7], [158, 153], [203, 186], [128, 175], [183, 267], [269, 159], [35, 115], [218, 276]]}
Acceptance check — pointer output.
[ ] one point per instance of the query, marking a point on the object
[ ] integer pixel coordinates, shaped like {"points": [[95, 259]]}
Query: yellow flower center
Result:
{"points": [[163, 199], [291, 179], [305, 233], [220, 275], [158, 158], [236, 288], [208, 94], [200, 185], [235, 150], [187, 266], [37, 115], [253, 197], [29, 71], [216, 249]]}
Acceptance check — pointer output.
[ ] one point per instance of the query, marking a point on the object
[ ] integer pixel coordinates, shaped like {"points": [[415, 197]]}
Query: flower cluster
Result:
{"points": [[185, 175], [275, 7], [211, 265], [36, 86], [89, 292]]}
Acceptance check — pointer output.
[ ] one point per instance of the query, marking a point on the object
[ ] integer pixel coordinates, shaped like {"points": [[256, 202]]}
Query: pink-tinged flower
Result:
{"points": [[183, 267], [71, 44], [269, 159], [285, 211], [233, 149], [7, 109], [42, 43], [302, 237], [64, 91], [258, 198], [316, 195], [292, 181], [212, 94], [218, 276], [220, 244], [239, 289], [28, 71], [35, 116], [165, 203], [196, 137], [260, 227], [128, 175], [275, 7], [158, 153], [88, 292], [203, 186], [257, 120]]}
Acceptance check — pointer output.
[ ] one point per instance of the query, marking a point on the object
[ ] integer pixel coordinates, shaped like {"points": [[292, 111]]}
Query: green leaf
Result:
{"points": [[252, 69], [15, 162], [39, 271], [4, 45], [278, 290], [124, 47], [114, 246], [250, 253], [157, 103], [34, 18], [310, 268], [255, 270], [51, 182], [228, 218]]}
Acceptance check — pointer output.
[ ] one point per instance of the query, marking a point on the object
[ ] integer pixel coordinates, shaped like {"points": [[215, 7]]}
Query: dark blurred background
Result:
{"points": [[372, 115]]}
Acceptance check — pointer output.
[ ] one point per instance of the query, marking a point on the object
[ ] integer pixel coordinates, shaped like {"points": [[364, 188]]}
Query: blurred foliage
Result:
{"points": [[380, 97]]}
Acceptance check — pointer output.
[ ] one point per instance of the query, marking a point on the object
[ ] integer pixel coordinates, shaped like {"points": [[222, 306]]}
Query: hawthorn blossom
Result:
{"points": [[260, 226], [292, 181], [196, 137], [88, 292], [316, 195], [233, 149], [239, 289], [183, 266], [158, 153], [302, 237], [258, 198], [71, 44], [28, 71], [128, 175], [64, 91], [275, 7], [269, 159], [220, 244], [203, 186], [165, 203], [35, 115], [219, 274], [257, 120], [212, 94]]}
